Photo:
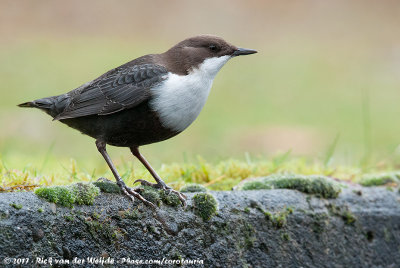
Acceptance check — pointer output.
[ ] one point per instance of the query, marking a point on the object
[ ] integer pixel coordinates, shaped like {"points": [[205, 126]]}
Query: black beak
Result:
{"points": [[243, 51]]}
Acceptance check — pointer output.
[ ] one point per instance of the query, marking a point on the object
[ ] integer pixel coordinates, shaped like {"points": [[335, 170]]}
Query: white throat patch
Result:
{"points": [[180, 98]]}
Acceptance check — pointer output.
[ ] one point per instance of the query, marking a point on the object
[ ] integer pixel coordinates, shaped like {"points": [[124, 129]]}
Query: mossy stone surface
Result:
{"points": [[85, 193], [67, 196], [60, 195], [380, 179], [131, 214], [343, 212], [232, 238], [314, 184], [205, 205], [169, 199], [107, 186], [151, 194], [159, 196], [285, 236], [278, 219], [193, 188]]}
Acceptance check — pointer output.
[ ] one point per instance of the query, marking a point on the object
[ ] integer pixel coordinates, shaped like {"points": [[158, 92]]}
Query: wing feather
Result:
{"points": [[119, 89]]}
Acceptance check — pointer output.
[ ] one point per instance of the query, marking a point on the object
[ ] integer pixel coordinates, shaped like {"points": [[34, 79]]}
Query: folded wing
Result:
{"points": [[119, 89]]}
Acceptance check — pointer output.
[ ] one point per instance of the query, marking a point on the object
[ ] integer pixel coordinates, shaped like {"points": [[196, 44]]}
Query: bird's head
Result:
{"points": [[205, 52]]}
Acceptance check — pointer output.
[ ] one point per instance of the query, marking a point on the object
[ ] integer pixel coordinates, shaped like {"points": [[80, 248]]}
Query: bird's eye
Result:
{"points": [[213, 48]]}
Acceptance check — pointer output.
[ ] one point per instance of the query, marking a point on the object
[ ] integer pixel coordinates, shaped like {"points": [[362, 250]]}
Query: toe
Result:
{"points": [[140, 197], [143, 182]]}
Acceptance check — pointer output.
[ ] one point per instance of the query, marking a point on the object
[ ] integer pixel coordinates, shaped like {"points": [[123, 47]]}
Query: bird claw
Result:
{"points": [[164, 187], [181, 196], [140, 197], [131, 193], [146, 183]]}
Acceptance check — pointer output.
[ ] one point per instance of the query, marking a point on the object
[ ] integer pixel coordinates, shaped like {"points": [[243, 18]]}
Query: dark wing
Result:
{"points": [[119, 89]]}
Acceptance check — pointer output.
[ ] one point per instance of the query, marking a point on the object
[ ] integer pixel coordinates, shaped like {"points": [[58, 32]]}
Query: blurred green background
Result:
{"points": [[325, 71]]}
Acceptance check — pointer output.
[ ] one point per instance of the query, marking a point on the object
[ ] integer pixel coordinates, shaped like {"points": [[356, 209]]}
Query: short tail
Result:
{"points": [[27, 104], [45, 103], [52, 105]]}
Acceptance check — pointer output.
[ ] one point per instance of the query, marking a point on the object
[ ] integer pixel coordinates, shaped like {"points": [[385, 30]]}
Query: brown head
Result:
{"points": [[190, 53]]}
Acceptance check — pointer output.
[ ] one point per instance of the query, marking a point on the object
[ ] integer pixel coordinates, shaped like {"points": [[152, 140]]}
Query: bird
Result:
{"points": [[147, 100]]}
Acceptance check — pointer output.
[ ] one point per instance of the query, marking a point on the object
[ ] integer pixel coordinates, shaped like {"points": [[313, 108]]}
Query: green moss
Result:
{"points": [[16, 206], [379, 179], [85, 193], [289, 210], [79, 193], [343, 212], [248, 233], [268, 215], [156, 196], [246, 210], [40, 210], [61, 195], [69, 218], [151, 194], [95, 215], [205, 205], [107, 186], [169, 199], [131, 214], [176, 255], [334, 210], [4, 215], [193, 188], [278, 219], [348, 217], [285, 236], [254, 185], [151, 229], [320, 221], [102, 230], [314, 184]]}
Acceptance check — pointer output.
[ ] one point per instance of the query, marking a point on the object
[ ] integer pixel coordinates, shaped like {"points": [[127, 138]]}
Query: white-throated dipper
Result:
{"points": [[147, 100]]}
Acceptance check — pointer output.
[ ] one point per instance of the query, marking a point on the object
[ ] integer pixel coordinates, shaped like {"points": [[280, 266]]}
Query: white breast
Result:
{"points": [[180, 98]]}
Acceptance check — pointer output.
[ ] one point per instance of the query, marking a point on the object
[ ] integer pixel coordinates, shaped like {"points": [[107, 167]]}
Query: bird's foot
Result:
{"points": [[161, 185], [132, 194]]}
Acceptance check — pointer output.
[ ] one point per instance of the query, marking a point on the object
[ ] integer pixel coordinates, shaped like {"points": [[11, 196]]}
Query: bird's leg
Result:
{"points": [[101, 146], [160, 183]]}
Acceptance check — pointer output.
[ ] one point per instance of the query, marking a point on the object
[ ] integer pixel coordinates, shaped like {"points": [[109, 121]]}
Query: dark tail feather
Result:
{"points": [[51, 105], [45, 103], [27, 104], [48, 105]]}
